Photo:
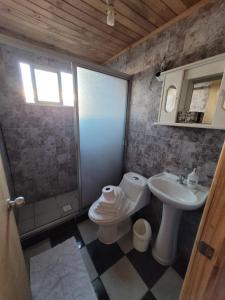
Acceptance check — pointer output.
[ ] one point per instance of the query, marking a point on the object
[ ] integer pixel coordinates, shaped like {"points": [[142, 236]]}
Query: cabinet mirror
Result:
{"points": [[201, 100], [171, 98]]}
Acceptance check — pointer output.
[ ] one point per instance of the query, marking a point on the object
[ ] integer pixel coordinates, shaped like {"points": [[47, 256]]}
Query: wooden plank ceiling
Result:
{"points": [[79, 27]]}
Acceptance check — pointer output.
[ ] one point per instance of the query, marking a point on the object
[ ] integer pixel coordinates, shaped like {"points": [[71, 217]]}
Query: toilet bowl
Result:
{"points": [[112, 211]]}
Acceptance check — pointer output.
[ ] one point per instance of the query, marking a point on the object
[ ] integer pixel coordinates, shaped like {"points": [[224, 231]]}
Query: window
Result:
{"points": [[45, 86]]}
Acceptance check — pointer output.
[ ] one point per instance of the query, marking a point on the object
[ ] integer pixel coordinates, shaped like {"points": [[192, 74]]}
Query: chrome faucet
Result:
{"points": [[181, 179]]}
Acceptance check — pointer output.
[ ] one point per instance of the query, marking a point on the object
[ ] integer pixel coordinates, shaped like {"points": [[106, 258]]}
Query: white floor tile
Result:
{"points": [[168, 287], [122, 281], [67, 197], [26, 225], [71, 199], [89, 264], [46, 211], [88, 230], [126, 242], [26, 212], [42, 212], [45, 205]]}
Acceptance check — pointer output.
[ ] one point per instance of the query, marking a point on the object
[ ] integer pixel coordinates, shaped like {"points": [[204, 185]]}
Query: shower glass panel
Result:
{"points": [[102, 105], [43, 164]]}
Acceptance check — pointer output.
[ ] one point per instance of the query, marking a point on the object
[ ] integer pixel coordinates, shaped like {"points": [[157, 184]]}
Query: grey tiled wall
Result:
{"points": [[152, 149], [39, 139]]}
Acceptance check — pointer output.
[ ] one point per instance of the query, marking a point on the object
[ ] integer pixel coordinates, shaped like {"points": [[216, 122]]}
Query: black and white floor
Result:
{"points": [[116, 271]]}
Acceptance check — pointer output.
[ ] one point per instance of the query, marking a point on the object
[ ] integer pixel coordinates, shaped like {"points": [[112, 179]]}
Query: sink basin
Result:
{"points": [[165, 187], [175, 197]]}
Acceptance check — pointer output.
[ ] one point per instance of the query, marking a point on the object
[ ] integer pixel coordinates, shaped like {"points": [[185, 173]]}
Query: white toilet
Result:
{"points": [[113, 209]]}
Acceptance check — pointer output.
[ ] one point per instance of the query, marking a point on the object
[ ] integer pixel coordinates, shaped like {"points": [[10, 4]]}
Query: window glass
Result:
{"points": [[67, 89], [47, 86], [27, 82]]}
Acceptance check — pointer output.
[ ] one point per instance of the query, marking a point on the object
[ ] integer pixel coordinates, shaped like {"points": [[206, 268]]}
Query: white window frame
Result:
{"points": [[48, 69]]}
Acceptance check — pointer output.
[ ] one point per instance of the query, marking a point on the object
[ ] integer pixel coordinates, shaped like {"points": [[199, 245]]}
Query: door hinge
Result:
{"points": [[205, 249]]}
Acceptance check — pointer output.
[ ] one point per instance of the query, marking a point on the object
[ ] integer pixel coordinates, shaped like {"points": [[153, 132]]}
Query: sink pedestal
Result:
{"points": [[164, 250]]}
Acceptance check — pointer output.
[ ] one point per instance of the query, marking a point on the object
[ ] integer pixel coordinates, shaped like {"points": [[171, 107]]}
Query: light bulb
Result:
{"points": [[110, 15]]}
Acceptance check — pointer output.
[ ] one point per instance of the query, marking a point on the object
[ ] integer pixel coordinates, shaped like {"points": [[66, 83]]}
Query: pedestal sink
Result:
{"points": [[176, 197]]}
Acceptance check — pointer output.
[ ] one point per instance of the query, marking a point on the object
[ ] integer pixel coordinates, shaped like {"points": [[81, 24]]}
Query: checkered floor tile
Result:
{"points": [[118, 271]]}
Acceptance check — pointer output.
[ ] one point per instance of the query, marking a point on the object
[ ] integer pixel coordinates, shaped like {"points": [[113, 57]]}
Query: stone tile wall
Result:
{"points": [[152, 149], [39, 139]]}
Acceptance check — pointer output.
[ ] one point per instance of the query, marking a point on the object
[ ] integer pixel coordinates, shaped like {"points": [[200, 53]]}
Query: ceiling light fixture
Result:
{"points": [[110, 13]]}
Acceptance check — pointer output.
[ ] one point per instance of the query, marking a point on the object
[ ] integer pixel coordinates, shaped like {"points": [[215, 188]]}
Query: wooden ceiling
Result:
{"points": [[79, 27]]}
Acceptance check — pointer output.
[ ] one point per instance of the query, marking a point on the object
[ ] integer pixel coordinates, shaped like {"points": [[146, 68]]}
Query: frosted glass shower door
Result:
{"points": [[102, 103]]}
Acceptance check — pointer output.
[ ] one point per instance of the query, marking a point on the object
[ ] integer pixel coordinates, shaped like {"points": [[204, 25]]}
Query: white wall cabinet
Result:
{"points": [[194, 95]]}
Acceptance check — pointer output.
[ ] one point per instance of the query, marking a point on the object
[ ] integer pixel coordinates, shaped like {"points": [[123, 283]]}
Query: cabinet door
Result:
{"points": [[170, 96], [219, 117]]}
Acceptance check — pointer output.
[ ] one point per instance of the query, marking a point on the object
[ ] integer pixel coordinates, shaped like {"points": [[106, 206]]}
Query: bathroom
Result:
{"points": [[59, 162]]}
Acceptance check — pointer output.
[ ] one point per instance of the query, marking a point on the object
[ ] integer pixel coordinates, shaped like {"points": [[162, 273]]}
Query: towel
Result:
{"points": [[113, 206]]}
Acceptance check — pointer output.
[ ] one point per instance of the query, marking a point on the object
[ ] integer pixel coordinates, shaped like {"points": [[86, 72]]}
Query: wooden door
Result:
{"points": [[14, 283], [205, 278]]}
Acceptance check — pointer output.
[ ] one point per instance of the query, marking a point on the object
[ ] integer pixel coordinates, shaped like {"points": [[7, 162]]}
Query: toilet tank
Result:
{"points": [[135, 187]]}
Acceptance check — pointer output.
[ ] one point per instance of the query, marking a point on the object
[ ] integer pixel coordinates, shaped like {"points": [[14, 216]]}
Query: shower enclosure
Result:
{"points": [[101, 114], [78, 159]]}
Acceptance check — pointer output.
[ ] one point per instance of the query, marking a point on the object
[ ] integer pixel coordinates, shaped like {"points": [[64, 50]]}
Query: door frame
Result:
{"points": [[203, 278]]}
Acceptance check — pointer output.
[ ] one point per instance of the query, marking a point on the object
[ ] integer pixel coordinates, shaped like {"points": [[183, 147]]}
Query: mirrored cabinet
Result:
{"points": [[194, 95]]}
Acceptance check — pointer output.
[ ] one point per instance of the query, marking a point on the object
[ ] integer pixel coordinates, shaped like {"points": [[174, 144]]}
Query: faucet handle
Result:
{"points": [[181, 179]]}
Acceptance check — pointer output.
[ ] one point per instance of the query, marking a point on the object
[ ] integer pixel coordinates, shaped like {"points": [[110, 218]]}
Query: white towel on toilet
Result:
{"points": [[114, 206]]}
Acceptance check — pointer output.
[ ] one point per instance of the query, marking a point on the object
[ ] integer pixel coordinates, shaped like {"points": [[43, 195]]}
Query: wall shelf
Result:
{"points": [[190, 125]]}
